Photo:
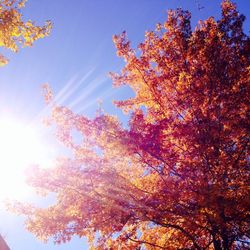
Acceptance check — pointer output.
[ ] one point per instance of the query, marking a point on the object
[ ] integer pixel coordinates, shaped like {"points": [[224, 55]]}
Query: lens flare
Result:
{"points": [[21, 145]]}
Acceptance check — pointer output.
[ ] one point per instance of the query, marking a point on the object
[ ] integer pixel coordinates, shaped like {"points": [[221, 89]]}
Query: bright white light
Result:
{"points": [[20, 147]]}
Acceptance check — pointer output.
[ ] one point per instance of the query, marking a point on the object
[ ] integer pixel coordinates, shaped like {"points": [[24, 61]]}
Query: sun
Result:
{"points": [[21, 145]]}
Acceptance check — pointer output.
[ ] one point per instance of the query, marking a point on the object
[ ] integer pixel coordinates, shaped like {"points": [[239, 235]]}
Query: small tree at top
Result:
{"points": [[14, 32], [177, 178]]}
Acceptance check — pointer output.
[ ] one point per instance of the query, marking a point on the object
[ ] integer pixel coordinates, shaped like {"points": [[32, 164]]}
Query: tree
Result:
{"points": [[177, 178], [3, 244], [14, 32]]}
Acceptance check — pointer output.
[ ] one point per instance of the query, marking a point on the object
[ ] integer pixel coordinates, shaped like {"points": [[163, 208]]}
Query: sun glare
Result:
{"points": [[20, 146]]}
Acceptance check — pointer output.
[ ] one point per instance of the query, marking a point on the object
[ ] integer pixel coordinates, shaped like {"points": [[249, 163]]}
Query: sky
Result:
{"points": [[75, 60]]}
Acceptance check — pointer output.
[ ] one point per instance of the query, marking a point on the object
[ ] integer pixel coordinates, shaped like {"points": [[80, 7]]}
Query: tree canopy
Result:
{"points": [[177, 177], [14, 31]]}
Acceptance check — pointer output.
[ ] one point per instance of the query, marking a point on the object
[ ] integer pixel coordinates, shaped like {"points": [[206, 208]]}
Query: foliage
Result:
{"points": [[178, 177], [14, 31]]}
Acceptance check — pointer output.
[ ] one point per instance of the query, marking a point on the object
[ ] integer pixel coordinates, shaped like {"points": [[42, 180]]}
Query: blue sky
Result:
{"points": [[75, 60]]}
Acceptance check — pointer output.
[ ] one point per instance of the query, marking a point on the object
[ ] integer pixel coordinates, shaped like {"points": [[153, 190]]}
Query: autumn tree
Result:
{"points": [[178, 177], [14, 31]]}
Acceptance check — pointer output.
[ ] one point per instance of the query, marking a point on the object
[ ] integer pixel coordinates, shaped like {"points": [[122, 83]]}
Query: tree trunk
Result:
{"points": [[217, 244]]}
